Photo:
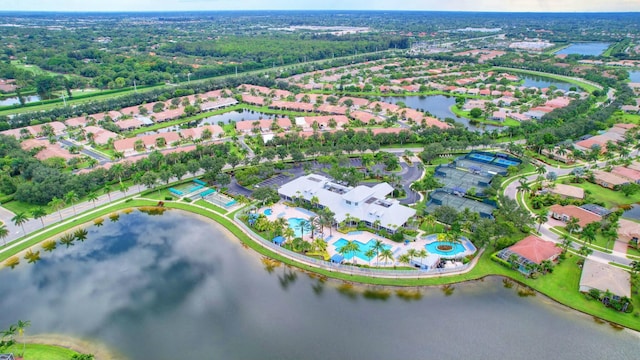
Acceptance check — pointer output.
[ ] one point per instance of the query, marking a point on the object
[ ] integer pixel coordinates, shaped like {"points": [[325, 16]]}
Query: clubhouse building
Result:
{"points": [[352, 204]]}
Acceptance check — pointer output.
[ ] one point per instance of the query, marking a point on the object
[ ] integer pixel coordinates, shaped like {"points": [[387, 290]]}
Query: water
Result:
{"points": [[294, 223], [634, 76], [633, 213], [234, 116], [592, 49], [541, 82], [439, 106], [268, 212], [363, 248], [177, 287], [14, 100], [456, 248]]}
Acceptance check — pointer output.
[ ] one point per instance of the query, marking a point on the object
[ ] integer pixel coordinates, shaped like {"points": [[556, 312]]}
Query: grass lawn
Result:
{"points": [[209, 205], [622, 117], [42, 352], [609, 197], [465, 114], [633, 251]]}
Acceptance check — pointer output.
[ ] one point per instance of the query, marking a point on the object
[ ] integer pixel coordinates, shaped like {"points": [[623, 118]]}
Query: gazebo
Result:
{"points": [[279, 240], [337, 259]]}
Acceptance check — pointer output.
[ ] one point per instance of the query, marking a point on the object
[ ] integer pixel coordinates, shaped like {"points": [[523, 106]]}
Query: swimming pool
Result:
{"points": [[456, 250], [294, 223], [363, 249], [268, 212]]}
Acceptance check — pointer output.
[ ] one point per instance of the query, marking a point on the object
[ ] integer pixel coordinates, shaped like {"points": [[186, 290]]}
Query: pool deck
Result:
{"points": [[281, 210]]}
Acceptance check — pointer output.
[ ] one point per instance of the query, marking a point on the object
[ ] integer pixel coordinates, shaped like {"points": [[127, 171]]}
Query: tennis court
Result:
{"points": [[461, 180], [480, 167], [441, 198], [220, 199]]}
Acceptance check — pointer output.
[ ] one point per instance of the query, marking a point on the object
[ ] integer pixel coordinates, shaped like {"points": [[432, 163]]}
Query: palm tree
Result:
{"points": [[370, 254], [19, 219], [422, 254], [57, 204], [49, 245], [71, 197], [566, 241], [404, 259], [386, 254], [289, 234], [320, 245], [81, 234], [21, 326], [93, 197], [378, 246], [412, 253], [107, 189], [39, 213], [67, 239], [124, 188], [4, 232], [572, 225], [524, 185], [350, 248], [31, 256], [541, 218]]}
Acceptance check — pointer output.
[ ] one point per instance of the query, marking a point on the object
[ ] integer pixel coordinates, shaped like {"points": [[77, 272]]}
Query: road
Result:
{"points": [[511, 191]]}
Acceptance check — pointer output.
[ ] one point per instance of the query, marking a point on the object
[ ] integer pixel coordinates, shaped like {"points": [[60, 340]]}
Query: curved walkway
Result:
{"points": [[512, 192]]}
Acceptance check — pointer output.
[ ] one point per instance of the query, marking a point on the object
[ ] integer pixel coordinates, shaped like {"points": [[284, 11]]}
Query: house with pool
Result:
{"points": [[369, 205]]}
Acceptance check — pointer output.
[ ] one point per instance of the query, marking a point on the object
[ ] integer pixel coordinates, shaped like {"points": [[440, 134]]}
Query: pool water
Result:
{"points": [[363, 249], [268, 212], [432, 248], [294, 223]]}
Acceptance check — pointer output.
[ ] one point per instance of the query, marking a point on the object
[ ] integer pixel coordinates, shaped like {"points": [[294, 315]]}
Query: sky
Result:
{"points": [[427, 5]]}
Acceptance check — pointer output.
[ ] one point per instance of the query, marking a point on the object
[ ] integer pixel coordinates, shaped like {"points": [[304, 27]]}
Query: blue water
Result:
{"points": [[433, 249], [268, 212], [294, 223], [593, 49], [634, 76], [363, 249], [541, 82]]}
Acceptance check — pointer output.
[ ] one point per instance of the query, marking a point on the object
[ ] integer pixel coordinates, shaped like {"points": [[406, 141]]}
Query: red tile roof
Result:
{"points": [[584, 217], [535, 249]]}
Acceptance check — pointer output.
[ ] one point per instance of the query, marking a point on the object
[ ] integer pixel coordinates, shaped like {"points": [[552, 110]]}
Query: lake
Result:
{"points": [[15, 100], [235, 116], [439, 106], [634, 76], [588, 49], [544, 82], [178, 286]]}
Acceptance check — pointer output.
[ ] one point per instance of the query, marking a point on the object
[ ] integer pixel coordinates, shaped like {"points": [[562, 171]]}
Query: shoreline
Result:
{"points": [[246, 240], [82, 346]]}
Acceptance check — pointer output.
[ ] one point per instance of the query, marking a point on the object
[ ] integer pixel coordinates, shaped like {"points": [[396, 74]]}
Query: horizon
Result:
{"points": [[471, 6]]}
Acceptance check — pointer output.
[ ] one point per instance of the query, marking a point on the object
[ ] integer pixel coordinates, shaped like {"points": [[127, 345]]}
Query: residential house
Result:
{"points": [[100, 135], [566, 191], [566, 212], [605, 277], [609, 180], [627, 173]]}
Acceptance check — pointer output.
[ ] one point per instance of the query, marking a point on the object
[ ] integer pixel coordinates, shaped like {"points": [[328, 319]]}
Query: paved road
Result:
{"points": [[85, 150], [511, 191]]}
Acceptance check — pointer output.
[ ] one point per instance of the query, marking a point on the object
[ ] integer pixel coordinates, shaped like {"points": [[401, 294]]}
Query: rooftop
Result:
{"points": [[596, 275]]}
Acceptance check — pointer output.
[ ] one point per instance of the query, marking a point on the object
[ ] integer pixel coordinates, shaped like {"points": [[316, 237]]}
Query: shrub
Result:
{"points": [[168, 198]]}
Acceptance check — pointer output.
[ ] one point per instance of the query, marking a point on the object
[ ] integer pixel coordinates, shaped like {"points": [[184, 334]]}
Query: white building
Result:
{"points": [[367, 204]]}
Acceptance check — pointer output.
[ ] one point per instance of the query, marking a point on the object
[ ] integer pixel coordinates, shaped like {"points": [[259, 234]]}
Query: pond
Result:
{"points": [[15, 100], [588, 49], [234, 116], [634, 76], [439, 106], [633, 213], [178, 286], [544, 82]]}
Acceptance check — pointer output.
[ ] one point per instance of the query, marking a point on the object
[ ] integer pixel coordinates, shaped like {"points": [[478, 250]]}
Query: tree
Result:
{"points": [[20, 219], [369, 254], [67, 240], [57, 204], [93, 197], [351, 247], [475, 113], [21, 327], [541, 218], [572, 225], [107, 189], [124, 188], [80, 234], [149, 179], [71, 197], [39, 213], [386, 254], [635, 266], [4, 233]]}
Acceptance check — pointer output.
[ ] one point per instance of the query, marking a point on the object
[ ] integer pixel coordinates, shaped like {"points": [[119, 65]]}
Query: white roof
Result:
{"points": [[372, 204], [605, 277]]}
